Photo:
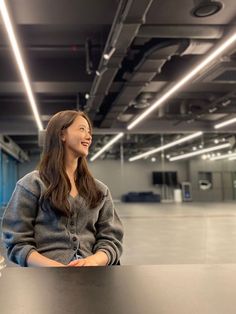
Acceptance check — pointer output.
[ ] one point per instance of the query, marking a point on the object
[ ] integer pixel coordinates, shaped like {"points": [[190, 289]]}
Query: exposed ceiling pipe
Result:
{"points": [[129, 17], [100, 70]]}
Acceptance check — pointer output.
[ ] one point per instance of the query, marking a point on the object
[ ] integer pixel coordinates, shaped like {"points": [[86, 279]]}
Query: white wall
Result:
{"points": [[222, 179], [137, 176], [131, 177]]}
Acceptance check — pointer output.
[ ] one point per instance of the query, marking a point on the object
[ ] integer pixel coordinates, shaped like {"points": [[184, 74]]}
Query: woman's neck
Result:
{"points": [[71, 166]]}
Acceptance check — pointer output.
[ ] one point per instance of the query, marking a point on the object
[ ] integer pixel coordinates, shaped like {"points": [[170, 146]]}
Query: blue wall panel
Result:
{"points": [[8, 177]]}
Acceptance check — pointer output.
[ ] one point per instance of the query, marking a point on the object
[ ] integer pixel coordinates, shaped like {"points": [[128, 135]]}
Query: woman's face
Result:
{"points": [[77, 137]]}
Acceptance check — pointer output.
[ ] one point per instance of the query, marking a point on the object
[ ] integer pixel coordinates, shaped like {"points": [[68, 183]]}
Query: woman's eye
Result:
{"points": [[82, 129]]}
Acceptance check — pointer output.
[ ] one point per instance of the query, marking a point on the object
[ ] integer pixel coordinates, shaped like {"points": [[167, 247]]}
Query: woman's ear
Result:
{"points": [[63, 136]]}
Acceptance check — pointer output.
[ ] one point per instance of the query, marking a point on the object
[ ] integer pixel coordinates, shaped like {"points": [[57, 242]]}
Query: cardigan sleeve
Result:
{"points": [[18, 225], [109, 231]]}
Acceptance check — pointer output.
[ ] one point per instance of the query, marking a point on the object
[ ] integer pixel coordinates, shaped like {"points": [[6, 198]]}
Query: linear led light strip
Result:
{"points": [[199, 152], [115, 139], [19, 60], [161, 148], [222, 124], [228, 42], [224, 156]]}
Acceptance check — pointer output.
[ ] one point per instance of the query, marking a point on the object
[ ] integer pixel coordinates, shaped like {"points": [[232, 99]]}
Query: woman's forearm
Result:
{"points": [[36, 259], [101, 258]]}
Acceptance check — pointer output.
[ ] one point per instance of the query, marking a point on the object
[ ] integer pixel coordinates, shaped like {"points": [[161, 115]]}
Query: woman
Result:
{"points": [[60, 215]]}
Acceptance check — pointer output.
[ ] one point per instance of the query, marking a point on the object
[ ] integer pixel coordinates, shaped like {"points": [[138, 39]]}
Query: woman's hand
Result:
{"points": [[88, 261], [36, 259], [98, 259]]}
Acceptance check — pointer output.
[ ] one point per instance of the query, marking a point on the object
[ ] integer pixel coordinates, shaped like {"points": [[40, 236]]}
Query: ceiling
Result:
{"points": [[156, 42]]}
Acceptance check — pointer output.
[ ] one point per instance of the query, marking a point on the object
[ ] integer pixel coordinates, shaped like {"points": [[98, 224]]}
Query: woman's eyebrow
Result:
{"points": [[85, 127]]}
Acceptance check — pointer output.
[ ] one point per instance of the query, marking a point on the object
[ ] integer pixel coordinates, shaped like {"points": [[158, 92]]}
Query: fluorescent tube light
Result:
{"points": [[199, 152], [115, 139], [228, 42], [222, 124], [19, 60], [232, 158], [161, 148], [223, 156]]}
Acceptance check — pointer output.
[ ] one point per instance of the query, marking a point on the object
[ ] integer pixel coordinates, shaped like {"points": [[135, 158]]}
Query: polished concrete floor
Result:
{"points": [[187, 233]]}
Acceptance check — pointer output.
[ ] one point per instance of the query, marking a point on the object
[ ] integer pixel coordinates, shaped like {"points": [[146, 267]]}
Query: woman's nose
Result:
{"points": [[89, 136]]}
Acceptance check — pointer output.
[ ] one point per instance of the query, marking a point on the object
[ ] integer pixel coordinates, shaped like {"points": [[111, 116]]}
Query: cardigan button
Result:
{"points": [[74, 238]]}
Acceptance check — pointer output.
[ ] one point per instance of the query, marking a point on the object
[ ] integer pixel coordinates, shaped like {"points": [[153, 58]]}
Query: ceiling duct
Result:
{"points": [[149, 63], [198, 47], [129, 17]]}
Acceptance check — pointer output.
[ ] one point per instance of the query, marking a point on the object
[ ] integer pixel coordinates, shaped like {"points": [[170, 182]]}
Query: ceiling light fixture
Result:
{"points": [[171, 144], [207, 8], [199, 152], [211, 110], [107, 56], [223, 156], [115, 139], [232, 158], [19, 60], [226, 103], [228, 42], [222, 124], [101, 72]]}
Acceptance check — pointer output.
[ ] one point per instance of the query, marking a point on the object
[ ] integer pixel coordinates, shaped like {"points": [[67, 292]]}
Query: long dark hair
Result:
{"points": [[52, 168]]}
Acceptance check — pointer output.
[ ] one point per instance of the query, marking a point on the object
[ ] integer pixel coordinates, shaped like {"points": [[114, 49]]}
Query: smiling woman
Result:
{"points": [[59, 214], [77, 137]]}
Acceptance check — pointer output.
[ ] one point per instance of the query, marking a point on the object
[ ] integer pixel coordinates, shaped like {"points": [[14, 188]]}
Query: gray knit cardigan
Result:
{"points": [[26, 226]]}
